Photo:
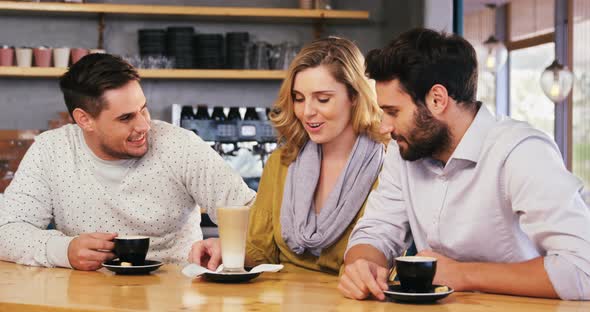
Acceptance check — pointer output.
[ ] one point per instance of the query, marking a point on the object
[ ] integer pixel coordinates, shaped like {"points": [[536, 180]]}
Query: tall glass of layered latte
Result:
{"points": [[233, 229]]}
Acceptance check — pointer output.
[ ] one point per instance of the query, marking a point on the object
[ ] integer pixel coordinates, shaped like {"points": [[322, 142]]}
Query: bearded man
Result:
{"points": [[490, 199]]}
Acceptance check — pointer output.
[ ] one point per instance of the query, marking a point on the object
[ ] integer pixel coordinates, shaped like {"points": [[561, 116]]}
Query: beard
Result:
{"points": [[430, 136]]}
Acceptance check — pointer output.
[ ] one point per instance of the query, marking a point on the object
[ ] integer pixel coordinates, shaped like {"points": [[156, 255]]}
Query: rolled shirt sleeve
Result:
{"points": [[385, 223], [552, 213], [569, 281]]}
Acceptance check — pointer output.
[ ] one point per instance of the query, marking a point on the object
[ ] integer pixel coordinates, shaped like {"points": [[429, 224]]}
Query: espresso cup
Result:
{"points": [[233, 228], [132, 249], [416, 273]]}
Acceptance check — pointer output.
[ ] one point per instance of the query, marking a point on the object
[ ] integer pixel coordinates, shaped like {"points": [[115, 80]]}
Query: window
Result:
{"points": [[478, 26], [527, 100], [581, 94], [531, 18], [531, 49]]}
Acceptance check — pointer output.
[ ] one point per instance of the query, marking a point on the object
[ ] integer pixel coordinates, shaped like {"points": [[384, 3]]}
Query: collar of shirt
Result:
{"points": [[472, 142], [121, 163], [468, 150]]}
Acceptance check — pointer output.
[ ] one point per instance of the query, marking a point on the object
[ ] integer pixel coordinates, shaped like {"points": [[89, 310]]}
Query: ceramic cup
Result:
{"points": [[61, 57], [42, 56], [6, 55], [24, 57], [77, 54], [132, 249], [416, 273]]}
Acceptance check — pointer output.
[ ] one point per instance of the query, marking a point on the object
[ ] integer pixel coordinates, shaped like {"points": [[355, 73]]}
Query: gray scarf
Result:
{"points": [[302, 228]]}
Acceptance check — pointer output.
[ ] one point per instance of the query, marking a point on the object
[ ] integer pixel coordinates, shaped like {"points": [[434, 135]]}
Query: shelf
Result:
{"points": [[319, 18], [235, 74], [202, 11], [40, 72]]}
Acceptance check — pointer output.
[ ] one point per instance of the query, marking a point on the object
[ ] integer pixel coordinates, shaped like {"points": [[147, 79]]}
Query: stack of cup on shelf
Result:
{"points": [[152, 42], [235, 45], [208, 51], [179, 45], [41, 56]]}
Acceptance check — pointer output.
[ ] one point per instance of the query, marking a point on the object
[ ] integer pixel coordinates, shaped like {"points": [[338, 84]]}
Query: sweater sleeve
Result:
{"points": [[210, 180], [26, 213], [260, 245]]}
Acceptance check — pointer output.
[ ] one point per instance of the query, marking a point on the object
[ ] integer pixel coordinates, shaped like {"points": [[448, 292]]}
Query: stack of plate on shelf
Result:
{"points": [[179, 43], [152, 42], [208, 51], [236, 43]]}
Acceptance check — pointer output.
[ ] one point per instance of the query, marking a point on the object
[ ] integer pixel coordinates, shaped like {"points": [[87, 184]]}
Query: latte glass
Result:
{"points": [[233, 228]]}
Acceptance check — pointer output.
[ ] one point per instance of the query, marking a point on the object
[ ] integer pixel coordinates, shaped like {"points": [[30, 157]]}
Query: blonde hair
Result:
{"points": [[346, 63]]}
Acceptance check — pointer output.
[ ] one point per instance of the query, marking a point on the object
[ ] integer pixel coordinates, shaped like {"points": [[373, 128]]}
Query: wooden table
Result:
{"points": [[39, 289]]}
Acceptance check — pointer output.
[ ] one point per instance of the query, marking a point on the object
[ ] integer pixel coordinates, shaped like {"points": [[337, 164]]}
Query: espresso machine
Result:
{"points": [[242, 136]]}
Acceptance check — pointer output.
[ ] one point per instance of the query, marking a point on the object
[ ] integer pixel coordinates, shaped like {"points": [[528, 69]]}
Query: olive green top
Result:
{"points": [[265, 243]]}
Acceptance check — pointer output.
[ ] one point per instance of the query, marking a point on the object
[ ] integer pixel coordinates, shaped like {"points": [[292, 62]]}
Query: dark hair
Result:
{"points": [[84, 84], [421, 58]]}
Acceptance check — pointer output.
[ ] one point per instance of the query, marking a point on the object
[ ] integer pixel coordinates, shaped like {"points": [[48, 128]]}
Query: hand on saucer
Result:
{"points": [[206, 253]]}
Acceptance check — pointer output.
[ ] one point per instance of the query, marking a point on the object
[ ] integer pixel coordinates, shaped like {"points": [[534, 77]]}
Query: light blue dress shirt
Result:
{"points": [[504, 196]]}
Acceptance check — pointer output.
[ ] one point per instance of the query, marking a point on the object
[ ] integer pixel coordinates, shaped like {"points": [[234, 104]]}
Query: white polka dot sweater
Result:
{"points": [[158, 197]]}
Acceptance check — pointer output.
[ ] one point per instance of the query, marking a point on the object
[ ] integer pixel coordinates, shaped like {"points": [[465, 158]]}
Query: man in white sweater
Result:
{"points": [[115, 172]]}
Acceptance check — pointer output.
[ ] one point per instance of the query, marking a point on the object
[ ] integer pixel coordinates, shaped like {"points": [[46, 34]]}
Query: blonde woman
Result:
{"points": [[313, 188]]}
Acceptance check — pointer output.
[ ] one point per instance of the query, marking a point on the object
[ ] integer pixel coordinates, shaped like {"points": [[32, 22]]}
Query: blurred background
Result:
{"points": [[215, 66]]}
